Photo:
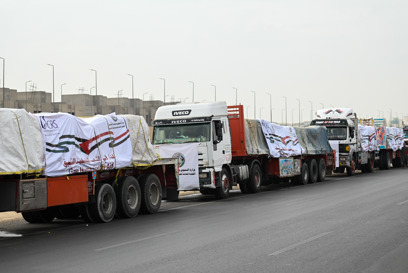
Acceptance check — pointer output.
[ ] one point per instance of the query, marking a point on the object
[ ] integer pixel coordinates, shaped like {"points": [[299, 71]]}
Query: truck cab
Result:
{"points": [[207, 125], [341, 124]]}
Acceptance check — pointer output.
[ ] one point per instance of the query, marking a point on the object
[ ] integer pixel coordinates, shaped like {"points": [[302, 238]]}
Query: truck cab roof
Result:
{"points": [[189, 111]]}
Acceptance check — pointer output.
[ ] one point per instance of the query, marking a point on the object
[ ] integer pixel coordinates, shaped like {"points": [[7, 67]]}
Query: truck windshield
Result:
{"points": [[406, 132], [336, 133], [183, 133]]}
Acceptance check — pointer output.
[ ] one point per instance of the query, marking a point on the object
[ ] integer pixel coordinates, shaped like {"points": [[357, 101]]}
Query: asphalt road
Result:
{"points": [[345, 224]]}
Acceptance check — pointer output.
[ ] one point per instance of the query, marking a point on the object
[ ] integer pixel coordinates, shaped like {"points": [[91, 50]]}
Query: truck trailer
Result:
{"points": [[233, 150], [58, 165]]}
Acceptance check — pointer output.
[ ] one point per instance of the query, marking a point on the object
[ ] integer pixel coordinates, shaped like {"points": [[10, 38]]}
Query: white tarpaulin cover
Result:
{"points": [[395, 138], [282, 140], [368, 138], [21, 142], [143, 152], [74, 145], [188, 160]]}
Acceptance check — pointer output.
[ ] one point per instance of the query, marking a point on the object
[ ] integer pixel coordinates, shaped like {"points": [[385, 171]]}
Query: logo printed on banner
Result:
{"points": [[48, 124], [181, 157]]}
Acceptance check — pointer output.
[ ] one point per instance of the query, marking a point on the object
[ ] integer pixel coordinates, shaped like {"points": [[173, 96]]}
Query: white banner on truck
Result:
{"points": [[188, 160], [282, 140], [335, 146], [73, 145], [368, 138]]}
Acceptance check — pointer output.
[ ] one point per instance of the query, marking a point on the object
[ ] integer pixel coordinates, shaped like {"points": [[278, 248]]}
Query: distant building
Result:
{"points": [[84, 105]]}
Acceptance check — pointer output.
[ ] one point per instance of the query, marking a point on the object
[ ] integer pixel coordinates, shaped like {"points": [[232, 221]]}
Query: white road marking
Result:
{"points": [[402, 203], [135, 241], [283, 250], [193, 205]]}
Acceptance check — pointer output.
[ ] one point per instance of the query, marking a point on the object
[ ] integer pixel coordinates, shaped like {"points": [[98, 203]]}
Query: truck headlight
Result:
{"points": [[203, 175]]}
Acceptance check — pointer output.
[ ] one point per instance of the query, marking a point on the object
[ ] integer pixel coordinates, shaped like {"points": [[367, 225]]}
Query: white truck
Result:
{"points": [[233, 150], [345, 138]]}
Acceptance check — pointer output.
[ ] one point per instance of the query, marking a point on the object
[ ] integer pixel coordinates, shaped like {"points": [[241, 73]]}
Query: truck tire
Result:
{"points": [[304, 177], [222, 191], [384, 160], [313, 171], [370, 165], [128, 196], [86, 214], [352, 169], [404, 156], [151, 193], [255, 179], [322, 170], [104, 209], [363, 168]]}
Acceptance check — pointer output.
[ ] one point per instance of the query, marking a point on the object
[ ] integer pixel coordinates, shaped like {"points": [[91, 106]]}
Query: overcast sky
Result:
{"points": [[333, 53]]}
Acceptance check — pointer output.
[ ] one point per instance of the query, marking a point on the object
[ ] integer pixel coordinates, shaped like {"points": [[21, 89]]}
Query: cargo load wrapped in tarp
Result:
{"points": [[77, 145], [21, 142], [143, 153], [390, 138], [395, 138], [368, 138], [281, 140], [313, 139], [254, 138]]}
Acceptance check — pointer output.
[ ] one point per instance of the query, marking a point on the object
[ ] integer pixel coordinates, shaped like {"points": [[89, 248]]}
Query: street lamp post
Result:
{"points": [[164, 90], [61, 94], [236, 95], [96, 89], [4, 75], [286, 110], [293, 110], [192, 99], [26, 93], [254, 104], [53, 85], [299, 110], [215, 92], [133, 95], [311, 109], [270, 105]]}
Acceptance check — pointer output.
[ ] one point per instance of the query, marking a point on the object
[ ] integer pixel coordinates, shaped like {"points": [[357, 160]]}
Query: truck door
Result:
{"points": [[221, 143]]}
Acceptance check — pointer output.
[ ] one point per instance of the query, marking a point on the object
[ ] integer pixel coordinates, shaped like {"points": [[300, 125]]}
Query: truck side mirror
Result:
{"points": [[217, 133], [352, 132]]}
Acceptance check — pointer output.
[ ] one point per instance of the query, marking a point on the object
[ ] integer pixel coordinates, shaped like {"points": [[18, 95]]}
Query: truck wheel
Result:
{"points": [[222, 191], [255, 179], [322, 170], [305, 174], [370, 165], [313, 171], [128, 196], [28, 216], [387, 161], [151, 193], [104, 209], [352, 169], [363, 168], [86, 214]]}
